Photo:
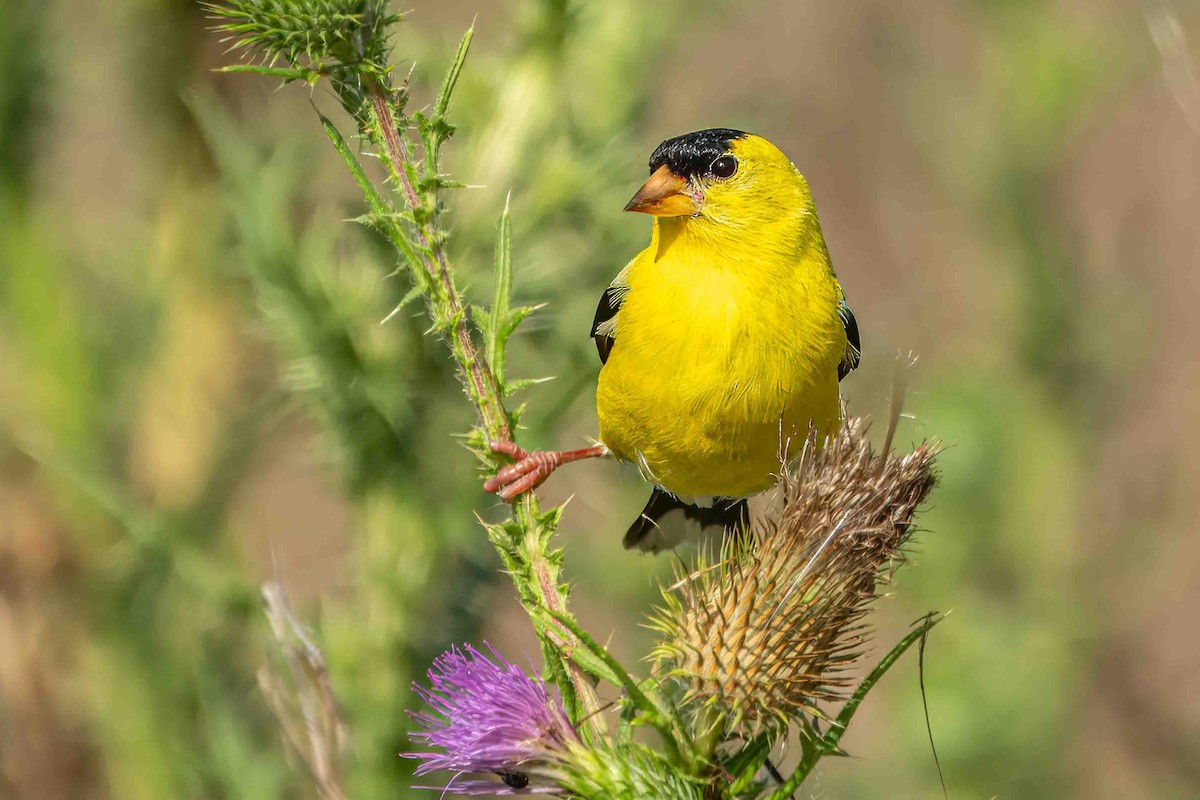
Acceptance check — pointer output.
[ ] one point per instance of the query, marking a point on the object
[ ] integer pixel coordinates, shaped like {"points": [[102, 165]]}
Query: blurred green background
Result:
{"points": [[196, 394]]}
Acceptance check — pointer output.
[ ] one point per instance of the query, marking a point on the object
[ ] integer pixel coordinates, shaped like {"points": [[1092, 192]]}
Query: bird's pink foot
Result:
{"points": [[531, 469]]}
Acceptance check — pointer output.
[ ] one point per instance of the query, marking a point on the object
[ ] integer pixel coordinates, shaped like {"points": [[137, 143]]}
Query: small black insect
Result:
{"points": [[514, 780]]}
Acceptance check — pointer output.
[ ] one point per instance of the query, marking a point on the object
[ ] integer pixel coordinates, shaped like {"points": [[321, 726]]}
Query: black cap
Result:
{"points": [[693, 153]]}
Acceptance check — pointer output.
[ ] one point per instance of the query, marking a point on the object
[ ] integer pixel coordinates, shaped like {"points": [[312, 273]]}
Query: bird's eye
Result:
{"points": [[724, 167]]}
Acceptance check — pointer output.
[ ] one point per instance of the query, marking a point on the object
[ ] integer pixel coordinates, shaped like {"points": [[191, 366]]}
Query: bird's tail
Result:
{"points": [[648, 534]]}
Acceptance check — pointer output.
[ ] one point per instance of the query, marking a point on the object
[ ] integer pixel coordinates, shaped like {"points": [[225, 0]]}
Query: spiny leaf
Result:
{"points": [[502, 270], [512, 387], [482, 317], [518, 315], [411, 258], [831, 739], [423, 214], [412, 294], [375, 200], [452, 75], [309, 76], [744, 765], [433, 183], [585, 658], [828, 744], [629, 772], [660, 718], [383, 217], [548, 521]]}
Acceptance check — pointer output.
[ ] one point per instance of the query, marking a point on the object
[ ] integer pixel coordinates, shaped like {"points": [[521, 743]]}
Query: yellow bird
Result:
{"points": [[721, 342]]}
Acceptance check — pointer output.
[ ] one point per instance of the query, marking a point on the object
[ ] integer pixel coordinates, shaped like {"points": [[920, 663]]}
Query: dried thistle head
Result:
{"points": [[766, 633]]}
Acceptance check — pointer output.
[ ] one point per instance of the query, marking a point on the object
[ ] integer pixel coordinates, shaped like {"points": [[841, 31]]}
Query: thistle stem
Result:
{"points": [[554, 598], [807, 762], [484, 390], [481, 382], [396, 152]]}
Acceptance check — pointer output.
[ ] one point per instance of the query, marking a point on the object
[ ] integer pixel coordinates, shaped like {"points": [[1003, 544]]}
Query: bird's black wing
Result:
{"points": [[853, 352], [604, 326], [732, 514]]}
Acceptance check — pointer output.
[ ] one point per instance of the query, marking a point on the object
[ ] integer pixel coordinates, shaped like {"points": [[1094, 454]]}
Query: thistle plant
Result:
{"points": [[755, 644]]}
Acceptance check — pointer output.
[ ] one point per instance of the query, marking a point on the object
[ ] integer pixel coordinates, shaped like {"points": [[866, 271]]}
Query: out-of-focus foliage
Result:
{"points": [[195, 394]]}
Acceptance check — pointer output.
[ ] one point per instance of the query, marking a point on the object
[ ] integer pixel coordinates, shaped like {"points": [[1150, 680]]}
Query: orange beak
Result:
{"points": [[664, 195]]}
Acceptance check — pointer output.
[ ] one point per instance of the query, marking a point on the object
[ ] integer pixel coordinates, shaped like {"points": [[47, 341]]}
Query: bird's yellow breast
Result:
{"points": [[724, 353]]}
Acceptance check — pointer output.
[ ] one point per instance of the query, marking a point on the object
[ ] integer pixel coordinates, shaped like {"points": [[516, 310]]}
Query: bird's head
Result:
{"points": [[726, 181]]}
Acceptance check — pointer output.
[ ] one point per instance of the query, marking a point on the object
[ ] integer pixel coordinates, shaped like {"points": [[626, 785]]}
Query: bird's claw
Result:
{"points": [[529, 471]]}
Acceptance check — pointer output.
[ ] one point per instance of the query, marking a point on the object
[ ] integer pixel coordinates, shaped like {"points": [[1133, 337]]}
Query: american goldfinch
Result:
{"points": [[721, 342]]}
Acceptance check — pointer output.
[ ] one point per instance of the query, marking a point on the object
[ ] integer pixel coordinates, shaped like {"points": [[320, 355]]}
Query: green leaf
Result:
{"points": [[744, 765], [586, 659], [828, 744], [383, 216], [659, 717], [831, 739], [504, 320], [423, 214], [512, 387], [502, 269], [482, 317], [442, 182], [309, 76], [629, 772], [451, 80], [375, 200], [518, 315], [413, 293]]}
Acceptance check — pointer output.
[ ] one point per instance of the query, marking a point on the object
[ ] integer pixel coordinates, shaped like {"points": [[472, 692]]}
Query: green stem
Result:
{"points": [[484, 391], [815, 747], [812, 754], [551, 595], [481, 383], [660, 714]]}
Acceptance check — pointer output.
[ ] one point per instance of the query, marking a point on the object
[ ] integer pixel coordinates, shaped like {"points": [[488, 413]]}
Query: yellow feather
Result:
{"points": [[728, 340]]}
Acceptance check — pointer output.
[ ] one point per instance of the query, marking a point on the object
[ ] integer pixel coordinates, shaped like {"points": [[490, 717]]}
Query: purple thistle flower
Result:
{"points": [[487, 717]]}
